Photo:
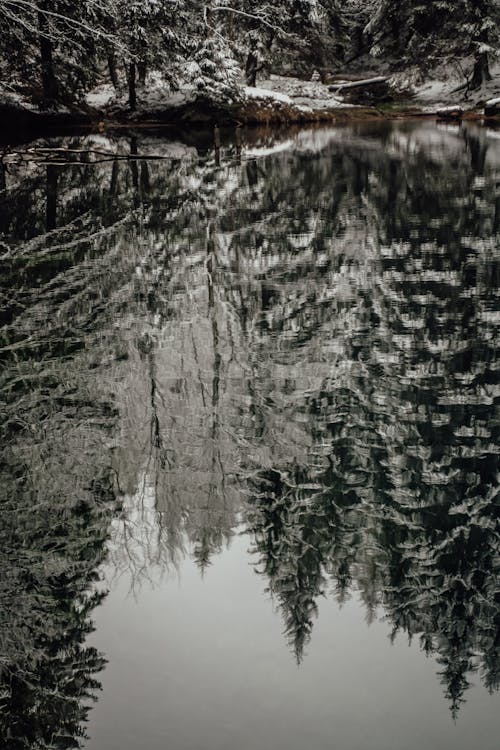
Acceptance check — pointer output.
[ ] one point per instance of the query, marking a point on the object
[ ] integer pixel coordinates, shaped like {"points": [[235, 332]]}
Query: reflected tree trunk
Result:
{"points": [[217, 361], [133, 163], [113, 186], [217, 144], [212, 312], [237, 138], [478, 150], [145, 179], [51, 205]]}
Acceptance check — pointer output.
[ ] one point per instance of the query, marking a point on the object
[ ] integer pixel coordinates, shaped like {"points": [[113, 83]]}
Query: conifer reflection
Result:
{"points": [[303, 346], [325, 348]]}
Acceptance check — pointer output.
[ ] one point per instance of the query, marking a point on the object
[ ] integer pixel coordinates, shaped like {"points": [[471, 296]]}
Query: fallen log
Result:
{"points": [[366, 91], [364, 83]]}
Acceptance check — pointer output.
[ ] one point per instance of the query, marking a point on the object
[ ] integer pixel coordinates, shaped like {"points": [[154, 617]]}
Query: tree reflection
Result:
{"points": [[56, 502], [301, 346], [401, 502]]}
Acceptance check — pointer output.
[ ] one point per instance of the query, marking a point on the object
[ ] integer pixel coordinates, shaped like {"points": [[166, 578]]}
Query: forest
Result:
{"points": [[54, 52]]}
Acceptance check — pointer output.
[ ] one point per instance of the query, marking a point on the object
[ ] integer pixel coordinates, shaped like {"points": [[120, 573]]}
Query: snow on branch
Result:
{"points": [[253, 16], [27, 5]]}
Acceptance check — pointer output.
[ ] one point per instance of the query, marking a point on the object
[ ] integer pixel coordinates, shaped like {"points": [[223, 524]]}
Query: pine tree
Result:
{"points": [[483, 28], [415, 32], [56, 41]]}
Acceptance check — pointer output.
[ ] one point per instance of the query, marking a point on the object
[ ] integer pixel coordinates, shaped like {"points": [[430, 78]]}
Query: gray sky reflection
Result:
{"points": [[201, 663]]}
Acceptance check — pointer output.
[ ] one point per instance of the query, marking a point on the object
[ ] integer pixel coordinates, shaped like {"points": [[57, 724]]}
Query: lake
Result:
{"points": [[249, 440]]}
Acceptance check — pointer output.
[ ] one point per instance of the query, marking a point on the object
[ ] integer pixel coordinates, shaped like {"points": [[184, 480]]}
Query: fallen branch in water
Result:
{"points": [[43, 152]]}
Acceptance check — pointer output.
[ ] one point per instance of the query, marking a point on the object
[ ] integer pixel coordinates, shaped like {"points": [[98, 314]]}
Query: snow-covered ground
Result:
{"points": [[100, 96], [154, 95], [276, 89], [445, 88], [254, 92], [11, 98], [312, 94]]}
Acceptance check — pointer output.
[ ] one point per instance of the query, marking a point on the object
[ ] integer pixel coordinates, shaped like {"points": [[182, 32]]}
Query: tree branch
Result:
{"points": [[253, 16]]}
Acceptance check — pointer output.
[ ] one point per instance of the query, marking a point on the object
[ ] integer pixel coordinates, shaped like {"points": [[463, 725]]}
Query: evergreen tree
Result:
{"points": [[55, 41], [415, 32], [483, 27]]}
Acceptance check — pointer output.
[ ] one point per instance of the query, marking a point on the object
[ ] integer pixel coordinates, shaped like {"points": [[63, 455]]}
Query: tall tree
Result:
{"points": [[415, 32], [55, 41]]}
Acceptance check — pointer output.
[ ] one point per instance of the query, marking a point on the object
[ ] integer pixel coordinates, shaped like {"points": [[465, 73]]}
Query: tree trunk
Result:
{"points": [[113, 72], [133, 164], [481, 72], [358, 39], [132, 94], [145, 182], [340, 51], [49, 81], [113, 187], [142, 69], [251, 69]]}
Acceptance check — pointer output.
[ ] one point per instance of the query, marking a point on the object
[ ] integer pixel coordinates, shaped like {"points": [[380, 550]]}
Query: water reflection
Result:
{"points": [[302, 347]]}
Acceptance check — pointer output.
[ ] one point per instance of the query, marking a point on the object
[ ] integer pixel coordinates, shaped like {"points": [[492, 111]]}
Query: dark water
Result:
{"points": [[249, 457]]}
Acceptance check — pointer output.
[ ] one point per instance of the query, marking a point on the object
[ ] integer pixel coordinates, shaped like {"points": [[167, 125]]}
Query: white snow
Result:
{"points": [[155, 94], [493, 102], [305, 95], [432, 91], [11, 98], [260, 151], [100, 96], [448, 128], [306, 140], [174, 150], [447, 86], [253, 92]]}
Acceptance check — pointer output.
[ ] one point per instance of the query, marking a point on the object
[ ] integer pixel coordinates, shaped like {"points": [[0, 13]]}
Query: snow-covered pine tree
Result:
{"points": [[55, 42], [140, 27], [216, 74], [482, 30], [417, 32]]}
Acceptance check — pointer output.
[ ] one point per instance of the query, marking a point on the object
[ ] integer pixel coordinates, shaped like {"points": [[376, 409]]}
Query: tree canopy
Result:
{"points": [[55, 50]]}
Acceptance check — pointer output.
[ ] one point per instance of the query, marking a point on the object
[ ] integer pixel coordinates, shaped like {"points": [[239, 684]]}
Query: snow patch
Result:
{"points": [[305, 95], [450, 109], [252, 92], [100, 96], [448, 86], [260, 151]]}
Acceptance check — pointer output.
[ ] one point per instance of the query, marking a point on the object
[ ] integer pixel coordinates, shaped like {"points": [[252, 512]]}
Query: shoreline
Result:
{"points": [[18, 122]]}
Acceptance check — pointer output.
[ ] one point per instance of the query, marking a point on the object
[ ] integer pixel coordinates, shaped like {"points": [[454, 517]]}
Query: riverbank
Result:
{"points": [[17, 122], [279, 101]]}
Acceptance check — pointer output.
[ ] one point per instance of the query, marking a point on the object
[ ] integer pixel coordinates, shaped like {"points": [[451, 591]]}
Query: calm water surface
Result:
{"points": [[250, 442]]}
